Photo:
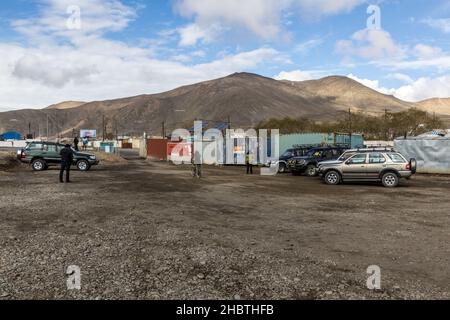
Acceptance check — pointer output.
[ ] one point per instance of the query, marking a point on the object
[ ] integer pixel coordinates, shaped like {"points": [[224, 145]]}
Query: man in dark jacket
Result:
{"points": [[75, 143], [66, 161]]}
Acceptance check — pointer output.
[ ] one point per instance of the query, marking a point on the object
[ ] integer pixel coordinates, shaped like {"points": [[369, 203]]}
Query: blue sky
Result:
{"points": [[56, 50]]}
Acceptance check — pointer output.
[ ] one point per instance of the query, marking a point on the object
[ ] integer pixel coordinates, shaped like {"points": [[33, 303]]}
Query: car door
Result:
{"points": [[34, 149], [377, 162], [51, 153], [355, 167]]}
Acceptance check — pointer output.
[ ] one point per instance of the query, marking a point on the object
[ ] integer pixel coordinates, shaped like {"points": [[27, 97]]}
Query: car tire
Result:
{"points": [[390, 180], [83, 165], [332, 178], [311, 170], [38, 165], [282, 168]]}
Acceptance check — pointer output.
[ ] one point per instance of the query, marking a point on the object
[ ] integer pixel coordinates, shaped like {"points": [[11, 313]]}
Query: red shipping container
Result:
{"points": [[157, 149]]}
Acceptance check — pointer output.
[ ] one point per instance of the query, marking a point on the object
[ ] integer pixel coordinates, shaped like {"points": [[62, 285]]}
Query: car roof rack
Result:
{"points": [[389, 149]]}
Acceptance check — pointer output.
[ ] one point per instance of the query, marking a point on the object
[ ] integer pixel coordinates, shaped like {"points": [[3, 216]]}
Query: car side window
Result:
{"points": [[376, 158], [395, 157], [358, 159], [51, 148], [36, 146], [317, 154]]}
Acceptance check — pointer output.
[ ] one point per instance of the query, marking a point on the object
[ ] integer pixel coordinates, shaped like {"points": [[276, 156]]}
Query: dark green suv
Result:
{"points": [[41, 155]]}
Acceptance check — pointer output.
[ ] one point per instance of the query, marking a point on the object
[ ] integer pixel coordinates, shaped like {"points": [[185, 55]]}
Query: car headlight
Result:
{"points": [[92, 157]]}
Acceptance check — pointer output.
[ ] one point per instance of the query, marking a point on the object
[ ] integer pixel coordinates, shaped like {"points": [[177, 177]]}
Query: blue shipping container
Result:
{"points": [[10, 136]]}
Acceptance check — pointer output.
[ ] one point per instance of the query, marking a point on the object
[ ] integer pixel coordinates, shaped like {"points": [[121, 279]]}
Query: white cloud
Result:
{"points": [[441, 24], [317, 8], [192, 33], [84, 65], [298, 75], [423, 51], [425, 88], [418, 90], [400, 77], [306, 46], [378, 47], [263, 18], [370, 44], [372, 84], [97, 17]]}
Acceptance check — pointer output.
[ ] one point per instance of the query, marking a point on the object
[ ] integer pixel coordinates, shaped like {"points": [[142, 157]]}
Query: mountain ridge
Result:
{"points": [[246, 98]]}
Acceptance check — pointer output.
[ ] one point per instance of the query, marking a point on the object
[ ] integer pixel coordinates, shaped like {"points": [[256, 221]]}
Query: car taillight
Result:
{"points": [[24, 155], [408, 166]]}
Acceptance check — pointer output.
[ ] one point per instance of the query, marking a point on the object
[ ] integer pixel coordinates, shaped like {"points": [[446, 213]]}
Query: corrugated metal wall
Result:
{"points": [[157, 149], [432, 155]]}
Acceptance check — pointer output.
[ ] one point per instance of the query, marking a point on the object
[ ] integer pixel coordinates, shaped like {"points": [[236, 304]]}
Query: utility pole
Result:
{"points": [[386, 128], [350, 126], [47, 128]]}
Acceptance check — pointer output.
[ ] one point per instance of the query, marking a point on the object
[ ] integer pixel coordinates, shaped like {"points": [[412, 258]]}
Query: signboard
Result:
{"points": [[91, 134]]}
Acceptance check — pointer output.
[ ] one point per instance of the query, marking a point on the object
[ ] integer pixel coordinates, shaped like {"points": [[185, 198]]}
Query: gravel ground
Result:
{"points": [[143, 230]]}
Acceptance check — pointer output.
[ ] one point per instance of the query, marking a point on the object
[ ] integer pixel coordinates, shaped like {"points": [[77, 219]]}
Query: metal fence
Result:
{"points": [[432, 155]]}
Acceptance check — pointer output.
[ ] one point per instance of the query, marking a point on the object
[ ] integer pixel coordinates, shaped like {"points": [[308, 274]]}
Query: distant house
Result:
{"points": [[8, 136]]}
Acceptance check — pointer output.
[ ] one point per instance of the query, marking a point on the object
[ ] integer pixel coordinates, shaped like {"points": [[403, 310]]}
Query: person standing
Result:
{"points": [[66, 161], [85, 143], [249, 162], [75, 143], [196, 164]]}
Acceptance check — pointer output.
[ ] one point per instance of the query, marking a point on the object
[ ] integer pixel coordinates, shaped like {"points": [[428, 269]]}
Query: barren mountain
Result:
{"points": [[244, 98], [438, 105], [66, 105]]}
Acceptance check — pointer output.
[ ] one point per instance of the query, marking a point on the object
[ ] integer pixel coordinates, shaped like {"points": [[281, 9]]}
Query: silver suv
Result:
{"points": [[385, 165]]}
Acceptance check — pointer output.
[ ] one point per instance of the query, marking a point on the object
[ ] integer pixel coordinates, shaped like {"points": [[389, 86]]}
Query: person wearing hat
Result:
{"points": [[66, 161]]}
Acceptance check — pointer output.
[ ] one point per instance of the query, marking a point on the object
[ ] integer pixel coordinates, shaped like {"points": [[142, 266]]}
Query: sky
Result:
{"points": [[87, 50]]}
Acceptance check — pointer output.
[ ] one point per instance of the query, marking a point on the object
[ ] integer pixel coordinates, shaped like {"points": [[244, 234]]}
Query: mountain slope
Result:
{"points": [[66, 105], [438, 105], [244, 98]]}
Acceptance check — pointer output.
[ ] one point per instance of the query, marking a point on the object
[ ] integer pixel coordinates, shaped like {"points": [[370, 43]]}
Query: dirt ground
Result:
{"points": [[146, 230]]}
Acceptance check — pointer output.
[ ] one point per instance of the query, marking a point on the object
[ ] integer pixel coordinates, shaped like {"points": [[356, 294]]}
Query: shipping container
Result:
{"points": [[157, 149], [10, 136]]}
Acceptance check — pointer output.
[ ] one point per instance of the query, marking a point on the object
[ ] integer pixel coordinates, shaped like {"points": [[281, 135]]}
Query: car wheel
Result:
{"points": [[38, 165], [390, 180], [311, 170], [332, 178], [83, 165], [282, 168]]}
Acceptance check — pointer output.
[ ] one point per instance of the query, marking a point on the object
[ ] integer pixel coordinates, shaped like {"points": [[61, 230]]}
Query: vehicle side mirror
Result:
{"points": [[349, 161]]}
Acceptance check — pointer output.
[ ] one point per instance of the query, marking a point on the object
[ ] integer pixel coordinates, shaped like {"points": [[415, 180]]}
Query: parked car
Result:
{"points": [[308, 163], [41, 155], [385, 165], [287, 155]]}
